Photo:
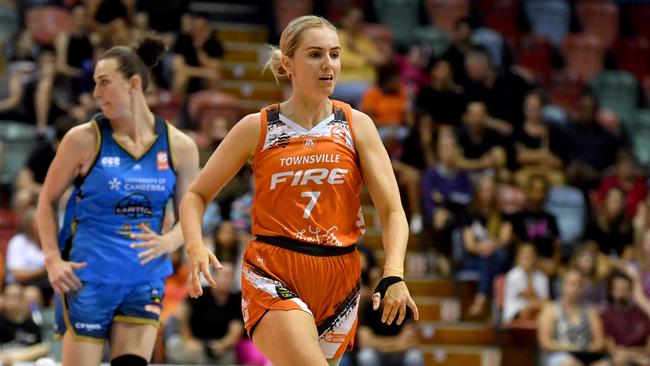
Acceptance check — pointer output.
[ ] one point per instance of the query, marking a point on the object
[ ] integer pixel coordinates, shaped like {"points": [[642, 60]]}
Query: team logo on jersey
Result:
{"points": [[114, 184], [163, 160], [135, 205], [337, 131], [310, 143], [281, 140], [110, 161]]}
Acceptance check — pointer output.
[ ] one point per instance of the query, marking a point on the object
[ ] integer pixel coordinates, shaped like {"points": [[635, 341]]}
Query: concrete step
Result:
{"points": [[262, 90], [241, 32], [430, 286], [245, 71], [445, 309], [373, 239], [461, 356], [456, 334], [245, 52]]}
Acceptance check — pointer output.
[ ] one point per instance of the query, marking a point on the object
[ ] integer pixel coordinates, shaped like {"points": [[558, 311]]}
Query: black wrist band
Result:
{"points": [[384, 283]]}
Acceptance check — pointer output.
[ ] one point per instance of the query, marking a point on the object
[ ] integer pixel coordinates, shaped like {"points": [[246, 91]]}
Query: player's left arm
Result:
{"points": [[185, 160], [378, 176]]}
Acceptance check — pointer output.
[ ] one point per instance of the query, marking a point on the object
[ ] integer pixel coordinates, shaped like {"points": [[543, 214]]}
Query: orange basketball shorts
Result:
{"points": [[320, 283]]}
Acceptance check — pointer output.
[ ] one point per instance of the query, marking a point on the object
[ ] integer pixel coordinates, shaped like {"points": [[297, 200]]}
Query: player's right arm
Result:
{"points": [[75, 153], [232, 153]]}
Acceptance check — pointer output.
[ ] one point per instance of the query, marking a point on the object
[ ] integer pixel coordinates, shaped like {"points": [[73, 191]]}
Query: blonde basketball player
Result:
{"points": [[310, 156]]}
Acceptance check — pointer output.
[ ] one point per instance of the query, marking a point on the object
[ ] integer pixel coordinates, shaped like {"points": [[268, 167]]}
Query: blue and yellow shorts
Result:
{"points": [[90, 312]]}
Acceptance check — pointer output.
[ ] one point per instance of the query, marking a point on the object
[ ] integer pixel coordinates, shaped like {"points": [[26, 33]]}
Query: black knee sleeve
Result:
{"points": [[129, 360]]}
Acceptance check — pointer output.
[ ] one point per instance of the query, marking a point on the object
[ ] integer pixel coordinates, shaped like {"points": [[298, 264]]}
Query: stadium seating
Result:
{"points": [[45, 22], [633, 54], [401, 16], [600, 18], [617, 91], [550, 18], [534, 53], [569, 207], [445, 13], [584, 54]]}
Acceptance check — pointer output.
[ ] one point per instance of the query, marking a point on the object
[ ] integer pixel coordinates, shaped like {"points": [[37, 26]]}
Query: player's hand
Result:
{"points": [[200, 259], [61, 275], [155, 244], [396, 299]]}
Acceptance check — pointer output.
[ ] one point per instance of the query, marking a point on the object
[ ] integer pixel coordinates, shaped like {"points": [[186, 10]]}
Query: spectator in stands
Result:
{"points": [[503, 94], [18, 79], [31, 176], [386, 103], [482, 146], [9, 20], [536, 226], [382, 344], [627, 327], [209, 327], [414, 71], [591, 147], [176, 290], [539, 148], [25, 260], [110, 21], [240, 209], [641, 221], [442, 100], [486, 237], [628, 177], [610, 229], [446, 192], [570, 332], [197, 60], [20, 337], [74, 53], [526, 287], [639, 270], [361, 57], [460, 46], [593, 270]]}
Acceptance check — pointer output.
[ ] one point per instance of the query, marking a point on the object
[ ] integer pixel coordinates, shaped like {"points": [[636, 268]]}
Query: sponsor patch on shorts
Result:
{"points": [[284, 293]]}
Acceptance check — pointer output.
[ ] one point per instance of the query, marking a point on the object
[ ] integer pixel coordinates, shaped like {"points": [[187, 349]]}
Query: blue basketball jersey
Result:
{"points": [[119, 194]]}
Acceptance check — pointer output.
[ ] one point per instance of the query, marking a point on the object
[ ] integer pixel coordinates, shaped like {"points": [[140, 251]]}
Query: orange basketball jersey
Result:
{"points": [[307, 183]]}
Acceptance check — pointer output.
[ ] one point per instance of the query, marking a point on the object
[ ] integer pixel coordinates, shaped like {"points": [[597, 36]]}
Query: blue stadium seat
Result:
{"points": [[568, 206], [549, 17], [401, 16], [617, 90], [17, 141]]}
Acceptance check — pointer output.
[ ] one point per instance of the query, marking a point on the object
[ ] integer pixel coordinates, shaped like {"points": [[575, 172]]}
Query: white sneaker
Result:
{"points": [[416, 224]]}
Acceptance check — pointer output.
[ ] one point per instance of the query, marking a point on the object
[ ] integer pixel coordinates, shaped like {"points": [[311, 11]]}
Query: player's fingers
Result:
{"points": [[195, 286], [60, 288], [388, 306], [414, 308], [393, 312], [147, 229], [205, 268], [77, 265], [376, 300], [215, 262], [143, 244], [402, 313], [72, 281], [147, 256]]}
